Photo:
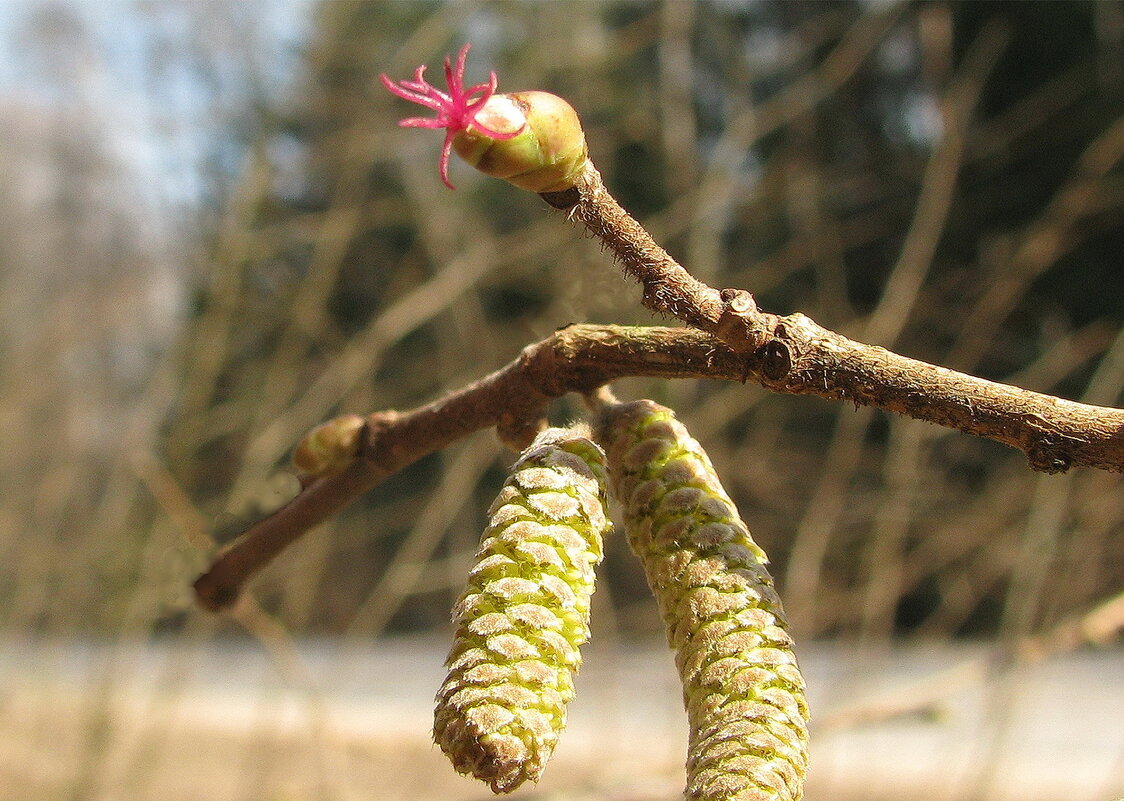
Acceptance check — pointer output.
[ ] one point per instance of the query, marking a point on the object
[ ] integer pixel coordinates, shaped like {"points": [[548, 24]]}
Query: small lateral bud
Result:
{"points": [[525, 614], [329, 447], [741, 685]]}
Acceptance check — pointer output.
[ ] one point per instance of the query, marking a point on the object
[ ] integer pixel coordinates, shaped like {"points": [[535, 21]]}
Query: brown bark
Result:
{"points": [[796, 356]]}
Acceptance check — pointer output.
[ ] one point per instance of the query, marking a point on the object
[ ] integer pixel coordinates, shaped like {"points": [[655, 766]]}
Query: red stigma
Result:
{"points": [[455, 110]]}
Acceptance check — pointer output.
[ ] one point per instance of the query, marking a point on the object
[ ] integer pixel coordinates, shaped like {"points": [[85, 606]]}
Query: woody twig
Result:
{"points": [[796, 356]]}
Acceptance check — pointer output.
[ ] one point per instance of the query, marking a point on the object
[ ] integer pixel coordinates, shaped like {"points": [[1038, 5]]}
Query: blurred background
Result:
{"points": [[213, 236]]}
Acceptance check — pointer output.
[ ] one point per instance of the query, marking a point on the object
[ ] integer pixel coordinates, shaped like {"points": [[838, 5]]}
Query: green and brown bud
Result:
{"points": [[546, 155], [329, 447], [525, 614], [742, 688]]}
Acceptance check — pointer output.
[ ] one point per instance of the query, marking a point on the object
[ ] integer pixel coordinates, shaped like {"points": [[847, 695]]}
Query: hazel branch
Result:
{"points": [[797, 357], [733, 340], [668, 287], [729, 314]]}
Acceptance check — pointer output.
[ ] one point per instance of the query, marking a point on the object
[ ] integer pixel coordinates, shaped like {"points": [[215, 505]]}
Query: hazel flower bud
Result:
{"points": [[546, 155], [525, 614], [741, 685], [329, 447], [533, 140]]}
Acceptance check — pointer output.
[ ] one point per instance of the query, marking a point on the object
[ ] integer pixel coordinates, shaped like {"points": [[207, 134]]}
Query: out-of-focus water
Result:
{"points": [[227, 720]]}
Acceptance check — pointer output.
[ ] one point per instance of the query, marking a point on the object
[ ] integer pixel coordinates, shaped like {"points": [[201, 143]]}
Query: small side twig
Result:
{"points": [[668, 287], [729, 314]]}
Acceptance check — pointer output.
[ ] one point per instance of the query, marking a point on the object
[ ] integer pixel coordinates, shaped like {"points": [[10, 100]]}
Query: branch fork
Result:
{"points": [[728, 337]]}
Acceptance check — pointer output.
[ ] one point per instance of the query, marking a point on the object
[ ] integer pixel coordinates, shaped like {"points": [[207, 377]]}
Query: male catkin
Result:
{"points": [[525, 614], [743, 691]]}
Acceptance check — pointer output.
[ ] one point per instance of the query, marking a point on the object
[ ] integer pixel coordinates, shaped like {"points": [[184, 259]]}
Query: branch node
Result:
{"points": [[214, 595], [377, 423], [1049, 456], [740, 323]]}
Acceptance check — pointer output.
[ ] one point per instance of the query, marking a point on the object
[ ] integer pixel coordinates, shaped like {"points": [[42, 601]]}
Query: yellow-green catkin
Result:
{"points": [[741, 685], [525, 614]]}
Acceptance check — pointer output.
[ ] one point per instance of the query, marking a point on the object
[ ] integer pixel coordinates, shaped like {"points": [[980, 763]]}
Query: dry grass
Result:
{"points": [[226, 721]]}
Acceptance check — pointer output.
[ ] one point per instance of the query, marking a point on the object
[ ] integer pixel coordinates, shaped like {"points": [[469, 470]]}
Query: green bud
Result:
{"points": [[741, 685], [329, 447], [547, 153]]}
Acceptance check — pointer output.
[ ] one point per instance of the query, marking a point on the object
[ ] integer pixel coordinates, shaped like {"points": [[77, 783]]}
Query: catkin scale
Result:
{"points": [[524, 614], [742, 688]]}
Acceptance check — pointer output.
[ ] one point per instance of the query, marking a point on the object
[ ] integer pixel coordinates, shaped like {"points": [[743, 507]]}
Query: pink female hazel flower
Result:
{"points": [[533, 140], [456, 109]]}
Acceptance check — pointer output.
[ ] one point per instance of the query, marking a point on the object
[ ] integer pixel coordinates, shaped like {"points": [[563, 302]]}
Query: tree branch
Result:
{"points": [[796, 356], [799, 357], [734, 340]]}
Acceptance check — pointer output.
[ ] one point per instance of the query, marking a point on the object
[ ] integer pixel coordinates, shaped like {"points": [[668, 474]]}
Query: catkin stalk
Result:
{"points": [[741, 685], [525, 614]]}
